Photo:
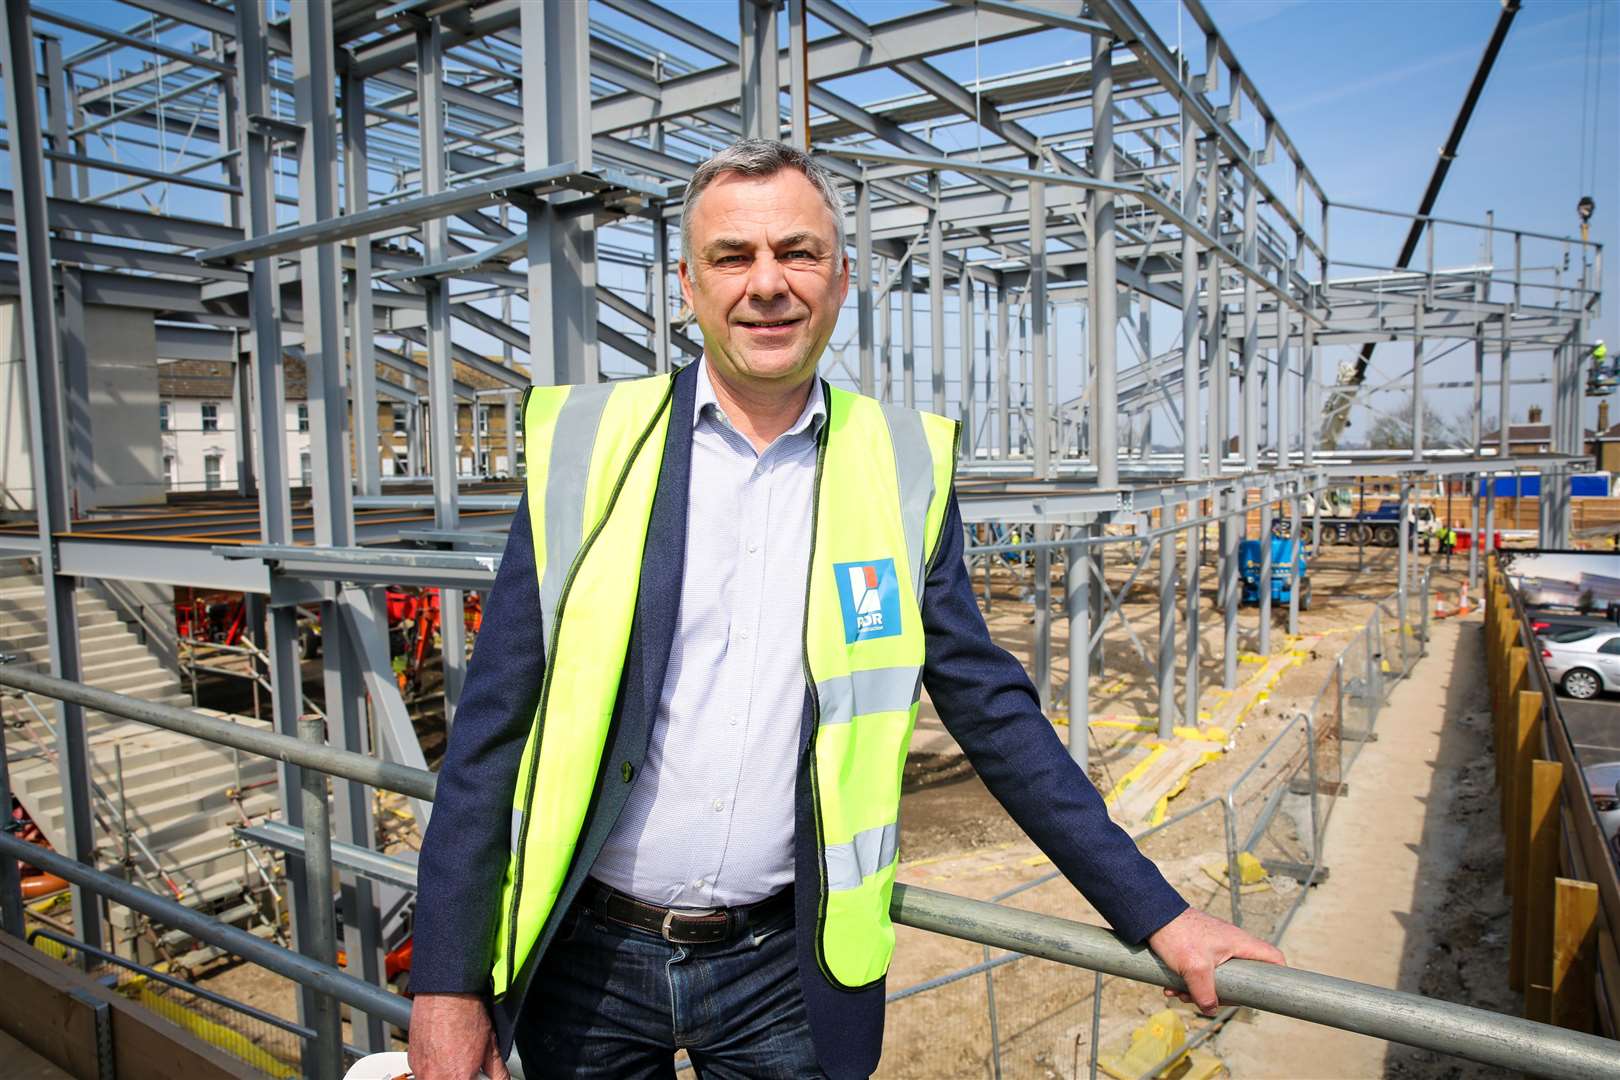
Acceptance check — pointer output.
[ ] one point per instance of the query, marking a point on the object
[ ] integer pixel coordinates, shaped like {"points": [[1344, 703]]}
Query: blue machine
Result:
{"points": [[1288, 565]]}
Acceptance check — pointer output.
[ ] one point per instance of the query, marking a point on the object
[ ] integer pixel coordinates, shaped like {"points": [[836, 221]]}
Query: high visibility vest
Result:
{"points": [[882, 485]]}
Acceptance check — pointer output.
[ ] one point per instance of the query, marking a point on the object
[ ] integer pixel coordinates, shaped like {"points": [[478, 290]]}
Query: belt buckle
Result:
{"points": [[667, 930]]}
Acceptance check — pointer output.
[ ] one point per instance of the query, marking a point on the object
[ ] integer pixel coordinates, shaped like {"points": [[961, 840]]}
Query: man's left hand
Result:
{"points": [[1194, 944]]}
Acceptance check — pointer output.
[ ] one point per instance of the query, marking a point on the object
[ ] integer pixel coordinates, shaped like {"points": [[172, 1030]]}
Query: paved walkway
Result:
{"points": [[1391, 847]]}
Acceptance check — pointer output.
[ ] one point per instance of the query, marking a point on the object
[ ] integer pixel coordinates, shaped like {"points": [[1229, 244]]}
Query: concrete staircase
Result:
{"points": [[175, 789]]}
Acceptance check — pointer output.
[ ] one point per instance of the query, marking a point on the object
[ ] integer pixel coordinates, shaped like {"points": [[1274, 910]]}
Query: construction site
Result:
{"points": [[276, 278]]}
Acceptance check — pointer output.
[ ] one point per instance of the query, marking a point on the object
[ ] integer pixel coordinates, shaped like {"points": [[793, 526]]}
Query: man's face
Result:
{"points": [[765, 276]]}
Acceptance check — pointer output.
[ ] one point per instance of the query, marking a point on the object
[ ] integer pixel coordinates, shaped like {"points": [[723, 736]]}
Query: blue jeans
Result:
{"points": [[610, 1001]]}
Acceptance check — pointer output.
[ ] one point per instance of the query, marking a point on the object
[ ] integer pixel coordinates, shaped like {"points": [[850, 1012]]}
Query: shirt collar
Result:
{"points": [[811, 417]]}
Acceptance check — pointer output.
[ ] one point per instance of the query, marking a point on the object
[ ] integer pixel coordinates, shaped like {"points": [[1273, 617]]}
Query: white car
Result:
{"points": [[1583, 662]]}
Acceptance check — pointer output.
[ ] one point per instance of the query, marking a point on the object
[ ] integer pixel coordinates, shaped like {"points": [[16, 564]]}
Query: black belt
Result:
{"points": [[712, 927]]}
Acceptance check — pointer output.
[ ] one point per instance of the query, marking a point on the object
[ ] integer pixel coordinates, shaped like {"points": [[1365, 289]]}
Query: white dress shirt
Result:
{"points": [[709, 821]]}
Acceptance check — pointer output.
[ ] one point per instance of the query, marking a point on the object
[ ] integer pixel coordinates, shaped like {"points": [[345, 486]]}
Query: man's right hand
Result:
{"points": [[452, 1039]]}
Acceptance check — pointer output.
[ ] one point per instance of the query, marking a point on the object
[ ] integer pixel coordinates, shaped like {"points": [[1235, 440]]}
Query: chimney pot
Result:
{"points": [[1535, 414], [1603, 417]]}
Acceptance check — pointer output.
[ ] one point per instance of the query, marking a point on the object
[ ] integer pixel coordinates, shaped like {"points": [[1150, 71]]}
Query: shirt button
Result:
{"points": [[719, 805], [752, 547], [697, 884], [733, 719], [743, 634]]}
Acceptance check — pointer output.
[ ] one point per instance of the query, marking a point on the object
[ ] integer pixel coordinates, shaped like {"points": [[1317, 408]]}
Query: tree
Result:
{"points": [[1392, 430]]}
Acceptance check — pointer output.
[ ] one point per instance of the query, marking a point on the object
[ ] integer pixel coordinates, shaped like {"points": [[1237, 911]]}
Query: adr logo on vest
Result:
{"points": [[869, 594]]}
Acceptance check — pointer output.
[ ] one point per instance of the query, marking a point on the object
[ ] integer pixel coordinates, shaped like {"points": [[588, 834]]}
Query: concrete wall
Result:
{"points": [[122, 380], [16, 456]]}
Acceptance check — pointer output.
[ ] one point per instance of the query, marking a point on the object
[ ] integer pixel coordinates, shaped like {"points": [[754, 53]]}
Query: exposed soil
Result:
{"points": [[956, 837]]}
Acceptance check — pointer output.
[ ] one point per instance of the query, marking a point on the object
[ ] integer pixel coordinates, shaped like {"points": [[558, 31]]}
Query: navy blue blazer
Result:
{"points": [[982, 694]]}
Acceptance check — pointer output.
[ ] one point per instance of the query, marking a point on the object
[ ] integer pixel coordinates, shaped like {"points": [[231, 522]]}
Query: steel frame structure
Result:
{"points": [[371, 184]]}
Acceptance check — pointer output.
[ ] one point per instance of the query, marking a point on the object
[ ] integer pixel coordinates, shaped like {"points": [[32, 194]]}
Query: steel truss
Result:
{"points": [[370, 185]]}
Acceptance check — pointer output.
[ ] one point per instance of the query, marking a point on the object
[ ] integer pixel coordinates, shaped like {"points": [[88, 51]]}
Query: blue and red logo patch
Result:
{"points": [[869, 594]]}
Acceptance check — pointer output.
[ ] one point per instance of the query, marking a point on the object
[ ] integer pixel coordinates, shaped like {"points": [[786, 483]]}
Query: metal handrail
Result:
{"points": [[1462, 1030]]}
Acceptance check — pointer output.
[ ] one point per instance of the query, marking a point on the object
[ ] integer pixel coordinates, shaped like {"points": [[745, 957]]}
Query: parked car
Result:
{"points": [[1583, 662], [1603, 782], [1545, 623]]}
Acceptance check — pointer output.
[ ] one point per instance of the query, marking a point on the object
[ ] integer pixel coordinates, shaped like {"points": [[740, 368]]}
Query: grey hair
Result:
{"points": [[760, 158]]}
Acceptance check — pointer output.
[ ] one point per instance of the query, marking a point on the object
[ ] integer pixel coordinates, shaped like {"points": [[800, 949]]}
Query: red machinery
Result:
{"points": [[35, 882]]}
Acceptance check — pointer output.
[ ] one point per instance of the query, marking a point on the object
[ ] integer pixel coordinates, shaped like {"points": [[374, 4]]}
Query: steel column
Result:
{"points": [[561, 249], [1231, 539], [936, 297], [275, 508], [964, 300], [1041, 629], [1103, 271], [799, 73], [1167, 626], [362, 331], [1266, 512], [660, 299], [1402, 559], [1040, 405], [324, 1060], [1248, 385], [1079, 611], [885, 332], [1003, 362], [1504, 424], [443, 412], [1295, 579], [908, 334], [48, 445], [1191, 447], [1417, 378], [760, 83], [863, 284]]}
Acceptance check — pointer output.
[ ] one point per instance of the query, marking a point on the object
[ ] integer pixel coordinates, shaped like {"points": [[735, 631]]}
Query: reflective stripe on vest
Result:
{"points": [[882, 487], [592, 457], [881, 494]]}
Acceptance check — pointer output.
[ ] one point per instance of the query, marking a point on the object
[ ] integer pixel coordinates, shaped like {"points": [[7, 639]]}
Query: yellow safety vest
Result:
{"points": [[883, 482]]}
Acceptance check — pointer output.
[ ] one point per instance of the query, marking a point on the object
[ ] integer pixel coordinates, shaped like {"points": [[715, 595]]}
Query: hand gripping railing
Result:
{"points": [[1467, 1032]]}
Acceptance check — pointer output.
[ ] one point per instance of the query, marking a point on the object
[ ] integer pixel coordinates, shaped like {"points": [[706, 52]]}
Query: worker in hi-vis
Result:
{"points": [[668, 813]]}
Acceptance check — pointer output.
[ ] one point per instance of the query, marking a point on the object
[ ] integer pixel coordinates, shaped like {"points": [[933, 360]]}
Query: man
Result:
{"points": [[667, 814]]}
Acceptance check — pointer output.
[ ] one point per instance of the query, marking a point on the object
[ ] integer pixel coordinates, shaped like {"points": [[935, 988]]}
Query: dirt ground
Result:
{"points": [[956, 837]]}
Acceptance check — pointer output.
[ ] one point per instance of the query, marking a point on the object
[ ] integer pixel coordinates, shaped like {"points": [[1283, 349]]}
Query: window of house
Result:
{"points": [[402, 462], [163, 417], [168, 470], [306, 477], [303, 418], [210, 416], [483, 463], [399, 420], [211, 464], [483, 419]]}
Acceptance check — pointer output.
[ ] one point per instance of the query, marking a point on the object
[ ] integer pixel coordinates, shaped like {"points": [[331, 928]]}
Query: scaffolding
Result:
{"points": [[401, 194]]}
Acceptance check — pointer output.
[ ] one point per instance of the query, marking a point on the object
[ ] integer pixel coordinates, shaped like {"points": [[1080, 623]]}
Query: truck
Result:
{"points": [[1288, 566], [1369, 528]]}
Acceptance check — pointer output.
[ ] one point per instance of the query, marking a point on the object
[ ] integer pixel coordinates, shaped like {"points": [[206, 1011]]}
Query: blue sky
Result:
{"points": [[1367, 91]]}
